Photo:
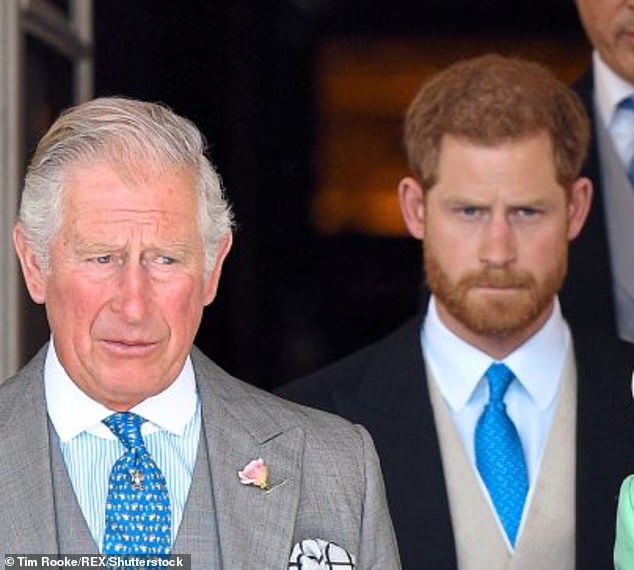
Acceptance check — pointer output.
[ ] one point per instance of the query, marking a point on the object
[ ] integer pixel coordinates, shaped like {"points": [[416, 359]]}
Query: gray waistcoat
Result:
{"points": [[197, 534], [547, 539]]}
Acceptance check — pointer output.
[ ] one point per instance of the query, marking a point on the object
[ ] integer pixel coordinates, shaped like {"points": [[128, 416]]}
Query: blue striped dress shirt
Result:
{"points": [[90, 449]]}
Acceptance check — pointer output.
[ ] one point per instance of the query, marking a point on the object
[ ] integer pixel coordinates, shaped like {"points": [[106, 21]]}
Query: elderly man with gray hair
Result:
{"points": [[120, 437]]}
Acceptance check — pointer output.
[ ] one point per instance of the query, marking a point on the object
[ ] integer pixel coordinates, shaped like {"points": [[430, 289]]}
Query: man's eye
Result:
{"points": [[166, 260], [103, 259], [526, 213], [469, 211]]}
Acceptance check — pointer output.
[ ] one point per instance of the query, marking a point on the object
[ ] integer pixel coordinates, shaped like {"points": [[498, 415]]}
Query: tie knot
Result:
{"points": [[500, 377], [127, 427]]}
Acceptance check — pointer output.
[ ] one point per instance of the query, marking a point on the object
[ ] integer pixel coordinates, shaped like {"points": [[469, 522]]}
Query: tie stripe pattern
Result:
{"points": [[628, 106], [499, 454], [138, 513]]}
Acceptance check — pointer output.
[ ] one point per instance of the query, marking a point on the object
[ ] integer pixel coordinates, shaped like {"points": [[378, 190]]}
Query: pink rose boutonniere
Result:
{"points": [[255, 473]]}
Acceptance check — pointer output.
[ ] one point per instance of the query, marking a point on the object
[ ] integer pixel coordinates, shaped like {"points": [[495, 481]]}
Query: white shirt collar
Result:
{"points": [[73, 412], [537, 363], [609, 89]]}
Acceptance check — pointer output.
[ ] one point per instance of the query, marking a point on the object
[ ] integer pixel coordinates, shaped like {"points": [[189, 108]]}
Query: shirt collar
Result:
{"points": [[537, 364], [170, 410], [609, 89]]}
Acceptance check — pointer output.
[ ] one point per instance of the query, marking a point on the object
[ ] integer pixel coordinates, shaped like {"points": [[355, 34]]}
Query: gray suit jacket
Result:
{"points": [[331, 485]]}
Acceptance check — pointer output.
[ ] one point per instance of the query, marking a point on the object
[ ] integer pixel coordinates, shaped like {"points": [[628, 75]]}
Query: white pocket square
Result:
{"points": [[317, 554]]}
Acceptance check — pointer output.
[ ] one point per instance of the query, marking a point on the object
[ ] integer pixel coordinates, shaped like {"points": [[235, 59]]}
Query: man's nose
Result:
{"points": [[498, 241], [132, 298]]}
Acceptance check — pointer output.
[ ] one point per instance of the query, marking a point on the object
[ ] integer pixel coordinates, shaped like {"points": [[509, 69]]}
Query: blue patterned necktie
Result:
{"points": [[138, 513], [499, 454], [627, 106]]}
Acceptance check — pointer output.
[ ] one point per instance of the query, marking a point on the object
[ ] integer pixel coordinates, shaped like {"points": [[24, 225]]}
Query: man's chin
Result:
{"points": [[126, 382], [498, 314], [497, 303], [120, 393]]}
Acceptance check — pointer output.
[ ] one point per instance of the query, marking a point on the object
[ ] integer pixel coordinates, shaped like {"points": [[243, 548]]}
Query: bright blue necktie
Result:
{"points": [[628, 106], [499, 454], [138, 513]]}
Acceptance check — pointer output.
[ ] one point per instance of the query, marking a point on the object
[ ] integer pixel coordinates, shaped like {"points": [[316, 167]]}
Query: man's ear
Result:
{"points": [[410, 195], [579, 206], [32, 270], [211, 282]]}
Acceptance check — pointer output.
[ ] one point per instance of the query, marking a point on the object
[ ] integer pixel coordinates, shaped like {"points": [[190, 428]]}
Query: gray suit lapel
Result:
{"points": [[255, 528], [26, 500]]}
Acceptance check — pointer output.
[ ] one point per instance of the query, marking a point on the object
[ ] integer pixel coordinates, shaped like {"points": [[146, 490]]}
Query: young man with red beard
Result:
{"points": [[503, 435]]}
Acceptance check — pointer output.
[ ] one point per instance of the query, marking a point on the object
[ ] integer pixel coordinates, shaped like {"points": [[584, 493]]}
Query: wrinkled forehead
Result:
{"points": [[103, 190]]}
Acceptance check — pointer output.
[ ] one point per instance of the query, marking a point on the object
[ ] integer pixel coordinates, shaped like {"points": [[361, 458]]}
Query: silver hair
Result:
{"points": [[121, 132]]}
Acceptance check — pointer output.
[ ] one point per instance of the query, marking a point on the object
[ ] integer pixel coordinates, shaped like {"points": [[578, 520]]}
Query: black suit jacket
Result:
{"points": [[384, 388], [586, 297]]}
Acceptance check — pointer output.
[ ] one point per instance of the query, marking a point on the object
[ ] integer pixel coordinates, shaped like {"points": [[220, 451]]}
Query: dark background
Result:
{"points": [[290, 299]]}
